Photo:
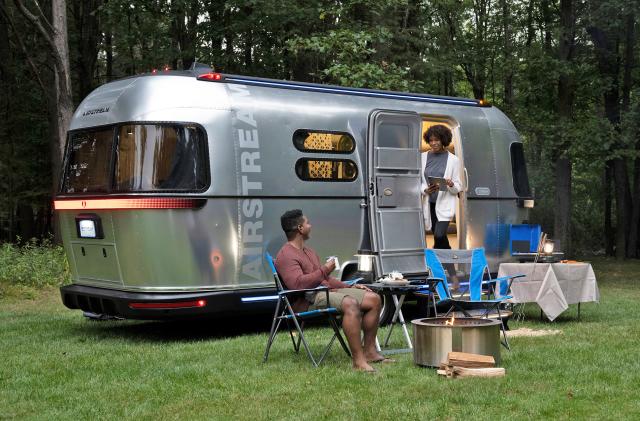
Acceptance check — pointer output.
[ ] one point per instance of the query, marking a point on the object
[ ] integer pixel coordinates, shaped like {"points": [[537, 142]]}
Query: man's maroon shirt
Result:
{"points": [[301, 269]]}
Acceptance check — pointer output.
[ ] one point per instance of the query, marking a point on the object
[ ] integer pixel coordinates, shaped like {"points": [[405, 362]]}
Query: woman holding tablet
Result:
{"points": [[440, 186]]}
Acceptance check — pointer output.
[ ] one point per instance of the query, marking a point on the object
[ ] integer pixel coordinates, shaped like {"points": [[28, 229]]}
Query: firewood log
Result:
{"points": [[465, 359]]}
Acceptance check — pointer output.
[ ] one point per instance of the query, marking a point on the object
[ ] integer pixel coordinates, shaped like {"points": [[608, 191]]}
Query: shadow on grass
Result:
{"points": [[193, 330], [178, 330]]}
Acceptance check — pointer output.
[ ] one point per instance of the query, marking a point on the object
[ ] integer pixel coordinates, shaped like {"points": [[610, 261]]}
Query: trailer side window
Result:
{"points": [[321, 141], [154, 157], [314, 169], [519, 171], [88, 162]]}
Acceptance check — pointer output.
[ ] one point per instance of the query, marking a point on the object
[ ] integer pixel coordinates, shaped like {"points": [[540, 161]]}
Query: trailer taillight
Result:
{"points": [[211, 77], [169, 305], [123, 204]]}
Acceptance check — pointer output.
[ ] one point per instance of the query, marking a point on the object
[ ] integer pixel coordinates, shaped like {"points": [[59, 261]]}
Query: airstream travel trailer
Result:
{"points": [[174, 184]]}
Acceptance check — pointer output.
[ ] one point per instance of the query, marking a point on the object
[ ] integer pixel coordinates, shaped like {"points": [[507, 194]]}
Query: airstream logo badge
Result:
{"points": [[95, 111]]}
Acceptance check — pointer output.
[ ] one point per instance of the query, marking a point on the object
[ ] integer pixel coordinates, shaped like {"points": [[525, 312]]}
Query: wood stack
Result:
{"points": [[463, 364]]}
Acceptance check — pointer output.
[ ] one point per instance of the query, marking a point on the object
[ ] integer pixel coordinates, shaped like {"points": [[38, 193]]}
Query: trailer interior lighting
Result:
{"points": [[123, 204], [169, 305], [211, 77]]}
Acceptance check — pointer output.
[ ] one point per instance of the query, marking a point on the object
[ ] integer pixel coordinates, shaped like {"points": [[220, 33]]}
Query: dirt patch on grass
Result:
{"points": [[526, 332]]}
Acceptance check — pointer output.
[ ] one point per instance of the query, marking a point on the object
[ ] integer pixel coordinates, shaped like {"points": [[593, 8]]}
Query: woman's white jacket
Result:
{"points": [[446, 202]]}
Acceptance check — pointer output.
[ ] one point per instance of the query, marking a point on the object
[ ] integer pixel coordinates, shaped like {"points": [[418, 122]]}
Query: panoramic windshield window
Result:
{"points": [[155, 157], [88, 162]]}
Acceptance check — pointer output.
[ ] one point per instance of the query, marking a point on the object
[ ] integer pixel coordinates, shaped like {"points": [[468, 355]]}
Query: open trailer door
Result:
{"points": [[395, 209]]}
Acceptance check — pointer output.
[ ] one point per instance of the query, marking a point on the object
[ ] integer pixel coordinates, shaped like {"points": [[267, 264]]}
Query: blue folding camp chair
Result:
{"points": [[284, 312], [475, 306]]}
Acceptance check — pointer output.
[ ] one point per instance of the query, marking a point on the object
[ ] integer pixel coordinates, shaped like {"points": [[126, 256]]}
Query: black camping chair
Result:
{"points": [[295, 321]]}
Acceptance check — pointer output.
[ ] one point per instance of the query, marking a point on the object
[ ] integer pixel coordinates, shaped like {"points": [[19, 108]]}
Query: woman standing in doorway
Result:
{"points": [[439, 204]]}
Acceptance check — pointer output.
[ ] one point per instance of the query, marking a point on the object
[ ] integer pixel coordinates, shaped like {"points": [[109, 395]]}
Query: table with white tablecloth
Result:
{"points": [[553, 286]]}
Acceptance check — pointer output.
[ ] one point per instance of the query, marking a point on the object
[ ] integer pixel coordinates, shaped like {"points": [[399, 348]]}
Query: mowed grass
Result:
{"points": [[58, 365]]}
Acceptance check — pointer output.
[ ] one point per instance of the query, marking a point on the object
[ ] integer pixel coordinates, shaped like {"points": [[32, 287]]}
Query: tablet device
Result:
{"points": [[439, 181]]}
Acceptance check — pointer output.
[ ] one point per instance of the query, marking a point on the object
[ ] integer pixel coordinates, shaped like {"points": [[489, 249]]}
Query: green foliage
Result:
{"points": [[350, 58], [507, 51], [33, 264]]}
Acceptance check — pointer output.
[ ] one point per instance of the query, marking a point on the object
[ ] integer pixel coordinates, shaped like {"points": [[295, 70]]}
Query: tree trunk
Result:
{"points": [[88, 29], [608, 203], [63, 105], [633, 248], [606, 43], [562, 161], [59, 97], [248, 41], [546, 23], [108, 46], [508, 62], [6, 139], [623, 210], [562, 214], [627, 83]]}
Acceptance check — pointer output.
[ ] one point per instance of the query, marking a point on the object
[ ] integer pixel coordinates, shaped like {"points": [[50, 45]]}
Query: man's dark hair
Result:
{"points": [[290, 221], [441, 132]]}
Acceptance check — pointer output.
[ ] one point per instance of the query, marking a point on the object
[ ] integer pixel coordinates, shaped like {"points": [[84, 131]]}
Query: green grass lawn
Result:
{"points": [[57, 365]]}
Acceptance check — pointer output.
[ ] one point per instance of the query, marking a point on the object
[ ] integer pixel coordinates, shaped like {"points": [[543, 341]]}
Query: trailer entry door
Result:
{"points": [[395, 207]]}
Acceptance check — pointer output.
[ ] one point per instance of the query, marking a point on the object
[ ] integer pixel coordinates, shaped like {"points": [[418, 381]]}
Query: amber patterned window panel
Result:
{"points": [[322, 141], [317, 169]]}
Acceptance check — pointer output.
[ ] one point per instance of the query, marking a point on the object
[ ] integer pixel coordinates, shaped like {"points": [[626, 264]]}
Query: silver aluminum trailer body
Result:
{"points": [[208, 259]]}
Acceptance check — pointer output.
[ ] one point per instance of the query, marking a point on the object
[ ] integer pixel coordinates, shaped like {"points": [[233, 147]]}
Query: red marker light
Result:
{"points": [[154, 71], [168, 305], [211, 77]]}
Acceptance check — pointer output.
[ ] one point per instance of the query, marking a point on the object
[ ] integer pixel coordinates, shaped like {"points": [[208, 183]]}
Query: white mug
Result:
{"points": [[335, 259]]}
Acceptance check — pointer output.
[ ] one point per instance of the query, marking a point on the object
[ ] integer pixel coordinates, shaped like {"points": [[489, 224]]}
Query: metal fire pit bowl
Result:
{"points": [[433, 339]]}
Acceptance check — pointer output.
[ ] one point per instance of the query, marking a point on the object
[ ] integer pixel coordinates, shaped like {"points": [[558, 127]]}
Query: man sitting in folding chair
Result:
{"points": [[299, 268]]}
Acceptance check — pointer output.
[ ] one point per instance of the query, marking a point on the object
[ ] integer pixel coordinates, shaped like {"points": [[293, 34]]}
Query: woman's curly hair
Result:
{"points": [[441, 132]]}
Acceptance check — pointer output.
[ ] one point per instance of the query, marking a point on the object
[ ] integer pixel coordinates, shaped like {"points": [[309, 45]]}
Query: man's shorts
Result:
{"points": [[335, 298]]}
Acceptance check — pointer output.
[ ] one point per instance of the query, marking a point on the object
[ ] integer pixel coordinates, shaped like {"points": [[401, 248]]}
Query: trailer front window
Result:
{"points": [[88, 162], [154, 157]]}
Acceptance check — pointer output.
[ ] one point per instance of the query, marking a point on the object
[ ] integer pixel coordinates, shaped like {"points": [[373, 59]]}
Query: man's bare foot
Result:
{"points": [[374, 357], [383, 360], [365, 367]]}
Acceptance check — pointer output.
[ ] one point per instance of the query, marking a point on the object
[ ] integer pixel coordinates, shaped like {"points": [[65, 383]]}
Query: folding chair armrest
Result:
{"points": [[510, 280], [291, 291]]}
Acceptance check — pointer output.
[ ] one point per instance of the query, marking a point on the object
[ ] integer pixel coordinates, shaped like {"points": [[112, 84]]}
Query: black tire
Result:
{"points": [[388, 308]]}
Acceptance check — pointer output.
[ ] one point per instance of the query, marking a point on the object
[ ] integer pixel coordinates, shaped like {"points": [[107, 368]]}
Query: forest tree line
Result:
{"points": [[564, 71]]}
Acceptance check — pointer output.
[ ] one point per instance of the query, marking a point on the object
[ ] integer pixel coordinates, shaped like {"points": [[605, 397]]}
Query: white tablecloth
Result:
{"points": [[553, 286]]}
